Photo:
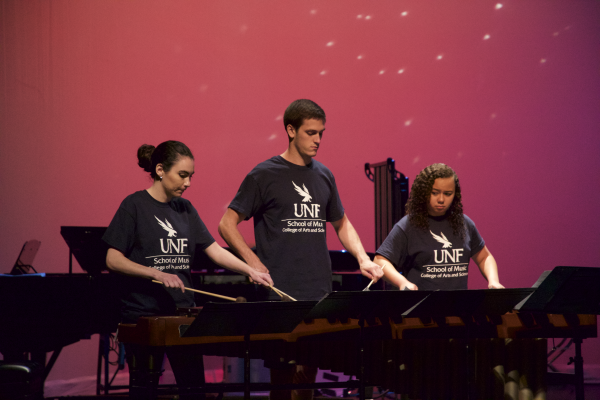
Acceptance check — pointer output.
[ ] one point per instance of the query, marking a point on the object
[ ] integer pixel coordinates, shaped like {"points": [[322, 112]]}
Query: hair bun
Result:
{"points": [[144, 155]]}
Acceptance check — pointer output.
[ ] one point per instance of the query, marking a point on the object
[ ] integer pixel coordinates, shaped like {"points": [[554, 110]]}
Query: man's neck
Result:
{"points": [[295, 158]]}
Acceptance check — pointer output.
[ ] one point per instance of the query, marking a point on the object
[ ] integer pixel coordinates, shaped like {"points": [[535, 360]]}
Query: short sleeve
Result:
{"points": [[120, 233], [395, 247], [199, 231], [247, 200], [475, 240], [335, 210]]}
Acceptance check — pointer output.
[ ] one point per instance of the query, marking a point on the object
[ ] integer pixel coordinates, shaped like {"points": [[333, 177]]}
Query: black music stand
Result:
{"points": [[441, 304], [244, 319], [568, 290], [474, 307], [365, 306], [501, 301], [86, 244], [24, 263], [467, 303]]}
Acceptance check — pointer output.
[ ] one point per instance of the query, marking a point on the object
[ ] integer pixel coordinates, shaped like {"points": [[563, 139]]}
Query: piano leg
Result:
{"points": [[103, 353]]}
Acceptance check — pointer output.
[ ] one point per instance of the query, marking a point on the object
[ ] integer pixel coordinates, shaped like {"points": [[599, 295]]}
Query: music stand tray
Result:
{"points": [[460, 303], [238, 319], [501, 301], [567, 290], [366, 305]]}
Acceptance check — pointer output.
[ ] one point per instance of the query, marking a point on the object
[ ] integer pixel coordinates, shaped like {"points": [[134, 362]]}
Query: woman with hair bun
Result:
{"points": [[431, 246], [155, 235]]}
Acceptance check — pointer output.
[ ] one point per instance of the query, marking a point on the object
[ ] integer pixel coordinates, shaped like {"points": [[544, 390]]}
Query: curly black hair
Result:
{"points": [[420, 194]]}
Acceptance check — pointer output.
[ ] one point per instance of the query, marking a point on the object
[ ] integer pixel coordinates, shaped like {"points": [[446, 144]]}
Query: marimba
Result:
{"points": [[449, 357]]}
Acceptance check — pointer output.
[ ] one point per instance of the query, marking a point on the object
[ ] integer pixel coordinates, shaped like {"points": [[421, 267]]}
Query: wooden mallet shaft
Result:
{"points": [[281, 294], [206, 293]]}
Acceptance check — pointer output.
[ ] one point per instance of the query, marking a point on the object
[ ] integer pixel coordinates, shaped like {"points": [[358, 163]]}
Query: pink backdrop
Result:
{"points": [[508, 94]]}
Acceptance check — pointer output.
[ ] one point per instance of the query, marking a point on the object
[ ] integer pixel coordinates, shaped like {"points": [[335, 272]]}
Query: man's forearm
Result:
{"points": [[227, 260], [350, 240]]}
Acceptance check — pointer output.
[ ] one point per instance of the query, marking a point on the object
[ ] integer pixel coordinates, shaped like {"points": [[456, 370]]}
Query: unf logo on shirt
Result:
{"points": [[445, 255], [171, 246], [306, 210]]}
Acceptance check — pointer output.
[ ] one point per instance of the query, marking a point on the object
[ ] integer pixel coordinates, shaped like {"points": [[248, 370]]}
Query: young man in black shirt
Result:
{"points": [[291, 197]]}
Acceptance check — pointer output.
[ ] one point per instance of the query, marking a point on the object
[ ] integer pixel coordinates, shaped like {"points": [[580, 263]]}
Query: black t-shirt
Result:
{"points": [[158, 235], [291, 205], [435, 258]]}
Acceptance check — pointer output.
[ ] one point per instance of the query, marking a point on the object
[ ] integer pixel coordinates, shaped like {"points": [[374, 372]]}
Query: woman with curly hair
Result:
{"points": [[431, 246]]}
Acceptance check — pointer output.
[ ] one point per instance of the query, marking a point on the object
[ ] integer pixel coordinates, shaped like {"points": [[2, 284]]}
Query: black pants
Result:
{"points": [[145, 369]]}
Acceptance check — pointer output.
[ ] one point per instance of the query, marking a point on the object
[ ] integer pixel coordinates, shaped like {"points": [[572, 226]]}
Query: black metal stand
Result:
{"points": [[568, 290], [246, 366], [470, 305], [104, 364], [244, 319], [102, 355], [578, 361], [391, 195], [237, 319], [361, 360], [365, 306]]}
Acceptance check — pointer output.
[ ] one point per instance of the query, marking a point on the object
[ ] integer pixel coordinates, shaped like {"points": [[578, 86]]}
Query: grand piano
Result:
{"points": [[43, 312]]}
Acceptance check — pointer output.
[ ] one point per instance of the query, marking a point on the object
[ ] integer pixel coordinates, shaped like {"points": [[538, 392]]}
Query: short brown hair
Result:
{"points": [[301, 110]]}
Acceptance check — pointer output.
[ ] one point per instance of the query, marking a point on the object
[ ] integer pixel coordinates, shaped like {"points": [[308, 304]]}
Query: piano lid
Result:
{"points": [[86, 244]]}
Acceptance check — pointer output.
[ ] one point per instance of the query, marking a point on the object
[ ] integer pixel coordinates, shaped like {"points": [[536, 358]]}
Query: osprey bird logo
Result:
{"points": [[304, 193], [443, 240], [167, 227]]}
